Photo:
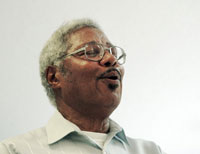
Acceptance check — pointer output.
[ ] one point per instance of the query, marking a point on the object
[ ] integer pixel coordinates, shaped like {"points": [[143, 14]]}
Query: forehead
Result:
{"points": [[86, 35]]}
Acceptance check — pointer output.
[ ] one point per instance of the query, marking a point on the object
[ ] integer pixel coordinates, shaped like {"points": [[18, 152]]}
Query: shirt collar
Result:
{"points": [[120, 134], [58, 127]]}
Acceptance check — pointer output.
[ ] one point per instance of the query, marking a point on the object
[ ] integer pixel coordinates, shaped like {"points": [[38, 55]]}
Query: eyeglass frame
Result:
{"points": [[105, 48]]}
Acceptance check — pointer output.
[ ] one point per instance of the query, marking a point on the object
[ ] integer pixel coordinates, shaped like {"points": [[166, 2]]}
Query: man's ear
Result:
{"points": [[53, 76]]}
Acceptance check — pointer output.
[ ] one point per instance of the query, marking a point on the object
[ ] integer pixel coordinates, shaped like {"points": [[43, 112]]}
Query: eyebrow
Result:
{"points": [[82, 45], [107, 43], [93, 42]]}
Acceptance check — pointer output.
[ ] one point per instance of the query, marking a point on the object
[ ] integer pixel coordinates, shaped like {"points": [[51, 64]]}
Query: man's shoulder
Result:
{"points": [[139, 141], [30, 135], [33, 137], [144, 145]]}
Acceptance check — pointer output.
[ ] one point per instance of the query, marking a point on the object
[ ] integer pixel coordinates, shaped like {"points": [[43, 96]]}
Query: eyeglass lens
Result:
{"points": [[95, 52]]}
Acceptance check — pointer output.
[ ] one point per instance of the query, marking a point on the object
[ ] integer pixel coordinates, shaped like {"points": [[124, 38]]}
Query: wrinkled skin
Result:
{"points": [[81, 96]]}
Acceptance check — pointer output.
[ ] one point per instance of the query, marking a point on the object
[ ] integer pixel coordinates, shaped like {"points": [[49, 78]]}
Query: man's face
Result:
{"points": [[91, 87]]}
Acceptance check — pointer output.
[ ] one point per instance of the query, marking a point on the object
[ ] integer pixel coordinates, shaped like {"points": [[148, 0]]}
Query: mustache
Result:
{"points": [[108, 71]]}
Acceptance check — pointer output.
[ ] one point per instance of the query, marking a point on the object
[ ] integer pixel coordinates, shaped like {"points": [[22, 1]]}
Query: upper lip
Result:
{"points": [[113, 74]]}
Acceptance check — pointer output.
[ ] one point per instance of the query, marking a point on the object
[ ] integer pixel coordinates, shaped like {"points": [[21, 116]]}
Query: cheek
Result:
{"points": [[83, 69]]}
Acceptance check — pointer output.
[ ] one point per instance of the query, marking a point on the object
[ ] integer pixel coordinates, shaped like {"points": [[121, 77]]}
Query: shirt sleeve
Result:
{"points": [[3, 149]]}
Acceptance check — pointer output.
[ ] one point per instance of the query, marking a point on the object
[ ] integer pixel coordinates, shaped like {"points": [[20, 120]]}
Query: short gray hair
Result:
{"points": [[57, 46]]}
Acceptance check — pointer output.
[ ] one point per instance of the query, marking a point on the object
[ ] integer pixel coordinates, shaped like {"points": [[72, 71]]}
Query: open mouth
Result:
{"points": [[111, 77], [111, 74]]}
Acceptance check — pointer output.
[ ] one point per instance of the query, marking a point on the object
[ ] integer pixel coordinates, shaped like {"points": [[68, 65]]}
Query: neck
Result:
{"points": [[85, 122]]}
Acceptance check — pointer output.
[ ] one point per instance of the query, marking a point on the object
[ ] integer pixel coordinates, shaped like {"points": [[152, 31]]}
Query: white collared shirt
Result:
{"points": [[60, 136]]}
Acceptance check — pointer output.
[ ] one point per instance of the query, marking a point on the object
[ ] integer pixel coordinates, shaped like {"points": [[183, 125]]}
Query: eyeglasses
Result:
{"points": [[95, 52]]}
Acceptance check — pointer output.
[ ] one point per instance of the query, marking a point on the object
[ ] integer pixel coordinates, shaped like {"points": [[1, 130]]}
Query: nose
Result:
{"points": [[108, 60]]}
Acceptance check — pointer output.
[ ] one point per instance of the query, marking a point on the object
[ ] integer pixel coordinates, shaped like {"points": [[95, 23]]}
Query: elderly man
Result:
{"points": [[82, 73]]}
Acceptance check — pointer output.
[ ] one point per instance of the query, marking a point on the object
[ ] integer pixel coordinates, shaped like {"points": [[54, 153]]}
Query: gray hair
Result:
{"points": [[56, 47]]}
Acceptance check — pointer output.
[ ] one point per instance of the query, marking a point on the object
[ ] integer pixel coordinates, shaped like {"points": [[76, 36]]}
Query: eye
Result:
{"points": [[93, 51], [81, 53]]}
